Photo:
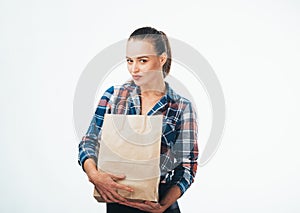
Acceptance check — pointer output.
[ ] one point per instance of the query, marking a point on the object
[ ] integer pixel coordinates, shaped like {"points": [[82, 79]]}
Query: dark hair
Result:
{"points": [[160, 42]]}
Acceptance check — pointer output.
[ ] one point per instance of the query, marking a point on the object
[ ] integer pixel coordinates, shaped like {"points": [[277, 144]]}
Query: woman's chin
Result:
{"points": [[137, 82]]}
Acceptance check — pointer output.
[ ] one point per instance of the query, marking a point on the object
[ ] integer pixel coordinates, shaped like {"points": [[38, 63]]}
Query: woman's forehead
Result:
{"points": [[136, 48]]}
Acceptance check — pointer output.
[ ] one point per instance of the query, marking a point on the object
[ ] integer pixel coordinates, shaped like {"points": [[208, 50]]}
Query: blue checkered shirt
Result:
{"points": [[179, 149]]}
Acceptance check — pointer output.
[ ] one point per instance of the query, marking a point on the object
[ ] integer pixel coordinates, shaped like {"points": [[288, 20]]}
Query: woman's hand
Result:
{"points": [[105, 183], [146, 206], [171, 196]]}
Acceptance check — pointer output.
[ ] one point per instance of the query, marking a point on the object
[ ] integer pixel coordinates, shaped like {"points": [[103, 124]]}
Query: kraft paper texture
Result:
{"points": [[130, 145]]}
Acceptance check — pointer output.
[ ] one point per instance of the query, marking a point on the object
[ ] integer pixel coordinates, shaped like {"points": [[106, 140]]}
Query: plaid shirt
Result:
{"points": [[179, 150]]}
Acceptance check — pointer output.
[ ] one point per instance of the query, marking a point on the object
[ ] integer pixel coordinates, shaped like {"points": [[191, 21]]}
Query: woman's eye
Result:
{"points": [[143, 60], [129, 61]]}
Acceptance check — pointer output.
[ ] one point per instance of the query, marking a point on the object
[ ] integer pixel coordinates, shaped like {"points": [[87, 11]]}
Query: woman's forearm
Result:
{"points": [[171, 196], [90, 168]]}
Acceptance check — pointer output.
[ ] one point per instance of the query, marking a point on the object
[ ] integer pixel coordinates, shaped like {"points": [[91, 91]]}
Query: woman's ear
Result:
{"points": [[163, 58]]}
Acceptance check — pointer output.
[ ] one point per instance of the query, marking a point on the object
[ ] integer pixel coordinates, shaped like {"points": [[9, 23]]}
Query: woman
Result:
{"points": [[148, 56]]}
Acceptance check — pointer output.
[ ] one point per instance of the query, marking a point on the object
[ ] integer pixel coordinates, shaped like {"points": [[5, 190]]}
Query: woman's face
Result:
{"points": [[143, 63]]}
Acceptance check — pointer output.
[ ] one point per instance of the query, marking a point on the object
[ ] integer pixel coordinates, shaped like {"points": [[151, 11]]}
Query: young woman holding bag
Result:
{"points": [[149, 59]]}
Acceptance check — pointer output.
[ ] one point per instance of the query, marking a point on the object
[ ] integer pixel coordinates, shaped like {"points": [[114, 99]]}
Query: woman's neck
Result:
{"points": [[157, 89]]}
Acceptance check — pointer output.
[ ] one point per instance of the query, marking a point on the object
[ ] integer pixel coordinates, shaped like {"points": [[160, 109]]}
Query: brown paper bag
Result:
{"points": [[130, 145]]}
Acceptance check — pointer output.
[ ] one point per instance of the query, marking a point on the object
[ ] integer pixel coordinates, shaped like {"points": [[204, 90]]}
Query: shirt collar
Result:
{"points": [[170, 96]]}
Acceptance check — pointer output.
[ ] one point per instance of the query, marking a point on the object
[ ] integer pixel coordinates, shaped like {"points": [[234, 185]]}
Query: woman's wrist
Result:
{"points": [[90, 169], [92, 175], [163, 207]]}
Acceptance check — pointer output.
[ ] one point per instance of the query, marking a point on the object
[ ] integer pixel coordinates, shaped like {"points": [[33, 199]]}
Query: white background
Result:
{"points": [[253, 46]]}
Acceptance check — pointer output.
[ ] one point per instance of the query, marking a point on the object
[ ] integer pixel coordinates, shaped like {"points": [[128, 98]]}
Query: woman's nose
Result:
{"points": [[134, 68]]}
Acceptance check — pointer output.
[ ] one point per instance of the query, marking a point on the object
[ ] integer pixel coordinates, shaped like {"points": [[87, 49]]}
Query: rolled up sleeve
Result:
{"points": [[186, 149], [89, 145]]}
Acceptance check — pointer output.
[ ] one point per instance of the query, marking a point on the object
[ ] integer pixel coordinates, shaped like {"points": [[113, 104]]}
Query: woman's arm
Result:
{"points": [[88, 151], [186, 149], [89, 146]]}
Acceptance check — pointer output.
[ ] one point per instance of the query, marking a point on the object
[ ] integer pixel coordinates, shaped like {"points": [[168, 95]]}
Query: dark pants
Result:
{"points": [[117, 208]]}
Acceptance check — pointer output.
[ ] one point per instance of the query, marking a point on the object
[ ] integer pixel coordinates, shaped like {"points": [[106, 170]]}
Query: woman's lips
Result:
{"points": [[136, 77]]}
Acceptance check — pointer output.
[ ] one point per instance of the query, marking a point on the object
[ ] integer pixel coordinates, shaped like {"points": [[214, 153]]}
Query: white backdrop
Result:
{"points": [[253, 46]]}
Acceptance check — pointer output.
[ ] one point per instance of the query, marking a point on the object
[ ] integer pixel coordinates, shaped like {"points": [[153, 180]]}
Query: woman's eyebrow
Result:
{"points": [[138, 57], [142, 57]]}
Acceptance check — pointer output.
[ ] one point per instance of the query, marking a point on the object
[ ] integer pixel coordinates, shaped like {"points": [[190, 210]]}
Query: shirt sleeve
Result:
{"points": [[186, 149], [89, 146]]}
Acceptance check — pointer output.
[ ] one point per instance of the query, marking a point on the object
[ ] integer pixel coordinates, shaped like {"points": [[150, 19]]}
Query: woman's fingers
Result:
{"points": [[118, 197], [107, 185], [103, 195], [110, 196], [154, 205], [109, 180], [130, 204], [121, 186], [116, 177]]}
